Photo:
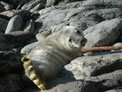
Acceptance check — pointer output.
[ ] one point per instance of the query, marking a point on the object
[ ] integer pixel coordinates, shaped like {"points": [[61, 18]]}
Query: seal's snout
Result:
{"points": [[83, 41]]}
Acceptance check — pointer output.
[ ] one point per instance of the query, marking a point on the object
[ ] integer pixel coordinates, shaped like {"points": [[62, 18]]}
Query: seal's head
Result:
{"points": [[73, 37]]}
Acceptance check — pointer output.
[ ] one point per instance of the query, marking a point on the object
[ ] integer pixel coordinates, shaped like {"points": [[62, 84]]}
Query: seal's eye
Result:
{"points": [[78, 32], [70, 39]]}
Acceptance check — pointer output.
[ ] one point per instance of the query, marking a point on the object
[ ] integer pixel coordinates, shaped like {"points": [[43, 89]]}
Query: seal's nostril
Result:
{"points": [[84, 40]]}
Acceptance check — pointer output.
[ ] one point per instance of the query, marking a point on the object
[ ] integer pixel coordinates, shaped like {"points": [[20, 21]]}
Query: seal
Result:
{"points": [[47, 59]]}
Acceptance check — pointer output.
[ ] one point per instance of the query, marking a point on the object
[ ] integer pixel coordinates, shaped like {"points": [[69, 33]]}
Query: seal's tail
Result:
{"points": [[31, 73]]}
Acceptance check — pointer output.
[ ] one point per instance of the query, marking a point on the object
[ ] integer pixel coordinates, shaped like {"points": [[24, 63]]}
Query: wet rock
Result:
{"points": [[103, 34], [10, 70], [24, 13], [1, 88], [10, 63], [3, 24], [5, 46], [5, 43], [20, 38], [14, 24], [10, 83], [16, 39]]}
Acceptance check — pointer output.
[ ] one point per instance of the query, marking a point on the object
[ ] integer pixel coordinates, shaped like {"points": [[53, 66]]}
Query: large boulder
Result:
{"points": [[104, 33], [14, 24], [87, 66], [83, 14]]}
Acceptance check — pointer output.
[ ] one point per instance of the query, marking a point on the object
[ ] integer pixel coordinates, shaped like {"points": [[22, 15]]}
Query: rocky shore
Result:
{"points": [[23, 23]]}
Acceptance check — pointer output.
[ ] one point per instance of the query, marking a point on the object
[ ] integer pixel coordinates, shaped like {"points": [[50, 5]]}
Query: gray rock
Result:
{"points": [[118, 44], [2, 8], [62, 17], [74, 86], [59, 2], [23, 13], [5, 43], [14, 40], [14, 24], [102, 3], [114, 90], [7, 6], [20, 38], [32, 4], [3, 24], [103, 34], [29, 26], [80, 14], [10, 63], [37, 7], [7, 13], [69, 1], [1, 88], [67, 85], [64, 2], [11, 83], [10, 68], [120, 38], [50, 2], [17, 2], [5, 46], [105, 14], [86, 66]]}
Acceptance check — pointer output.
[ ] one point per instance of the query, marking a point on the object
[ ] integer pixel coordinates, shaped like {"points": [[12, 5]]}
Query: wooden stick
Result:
{"points": [[104, 48]]}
